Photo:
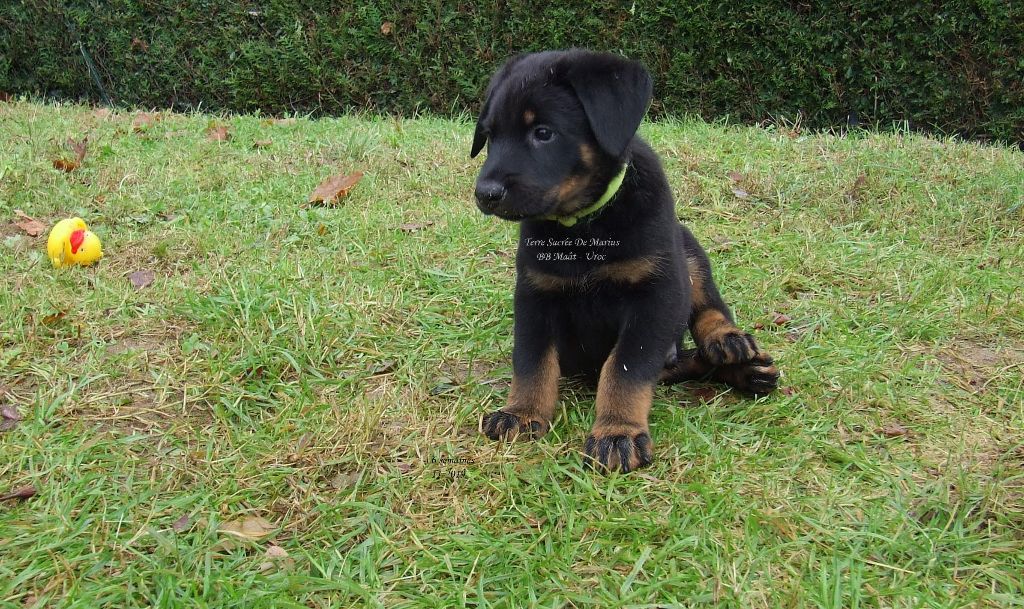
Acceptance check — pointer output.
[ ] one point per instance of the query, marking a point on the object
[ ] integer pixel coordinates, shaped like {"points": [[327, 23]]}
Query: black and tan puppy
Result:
{"points": [[608, 280]]}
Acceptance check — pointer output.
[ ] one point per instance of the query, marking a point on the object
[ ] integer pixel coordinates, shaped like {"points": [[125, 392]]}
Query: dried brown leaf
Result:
{"points": [[386, 27], [853, 194], [301, 445], [276, 552], [894, 430], [52, 318], [9, 417], [180, 524], [65, 165], [252, 528], [142, 278], [335, 188], [143, 121], [217, 133], [276, 556], [79, 148], [740, 193], [347, 479], [22, 492], [781, 319], [31, 226], [735, 176]]}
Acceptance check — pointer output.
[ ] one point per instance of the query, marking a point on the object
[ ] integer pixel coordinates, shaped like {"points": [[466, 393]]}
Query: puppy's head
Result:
{"points": [[557, 125]]}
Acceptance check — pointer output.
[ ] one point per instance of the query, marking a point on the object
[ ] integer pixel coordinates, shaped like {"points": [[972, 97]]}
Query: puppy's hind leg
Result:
{"points": [[733, 354]]}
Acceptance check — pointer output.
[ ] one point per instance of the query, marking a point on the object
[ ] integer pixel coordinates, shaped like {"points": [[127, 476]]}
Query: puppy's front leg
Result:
{"points": [[535, 372], [620, 438]]}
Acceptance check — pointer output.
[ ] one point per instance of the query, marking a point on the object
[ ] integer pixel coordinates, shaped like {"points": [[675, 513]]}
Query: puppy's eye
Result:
{"points": [[543, 134]]}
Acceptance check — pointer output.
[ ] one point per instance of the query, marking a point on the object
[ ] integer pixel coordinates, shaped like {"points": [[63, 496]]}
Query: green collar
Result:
{"points": [[613, 187]]}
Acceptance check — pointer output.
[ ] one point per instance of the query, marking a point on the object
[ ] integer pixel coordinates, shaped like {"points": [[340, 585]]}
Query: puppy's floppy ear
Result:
{"points": [[480, 135], [615, 93]]}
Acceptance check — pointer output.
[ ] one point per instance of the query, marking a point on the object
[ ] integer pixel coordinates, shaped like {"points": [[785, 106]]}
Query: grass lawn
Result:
{"points": [[316, 374]]}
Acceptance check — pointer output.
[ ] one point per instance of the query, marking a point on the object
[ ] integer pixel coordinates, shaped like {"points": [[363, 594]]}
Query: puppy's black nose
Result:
{"points": [[489, 193]]}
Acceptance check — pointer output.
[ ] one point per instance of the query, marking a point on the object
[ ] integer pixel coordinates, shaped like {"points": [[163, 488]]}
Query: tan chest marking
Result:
{"points": [[630, 272]]}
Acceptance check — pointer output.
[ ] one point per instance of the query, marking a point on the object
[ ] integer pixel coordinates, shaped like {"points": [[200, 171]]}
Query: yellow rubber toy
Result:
{"points": [[71, 242]]}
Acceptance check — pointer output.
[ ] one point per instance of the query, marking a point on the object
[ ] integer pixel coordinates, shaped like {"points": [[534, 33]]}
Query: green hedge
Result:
{"points": [[951, 66]]}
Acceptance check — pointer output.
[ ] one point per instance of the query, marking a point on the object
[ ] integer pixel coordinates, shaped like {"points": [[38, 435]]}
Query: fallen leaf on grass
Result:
{"points": [[180, 524], [383, 367], [412, 227], [52, 318], [335, 188], [9, 417], [735, 176], [22, 492], [144, 120], [853, 194], [787, 391], [781, 319], [250, 528], [217, 133], [276, 556], [300, 446], [64, 165], [740, 193], [142, 279], [385, 28], [894, 430], [79, 148], [345, 480], [261, 143], [31, 226]]}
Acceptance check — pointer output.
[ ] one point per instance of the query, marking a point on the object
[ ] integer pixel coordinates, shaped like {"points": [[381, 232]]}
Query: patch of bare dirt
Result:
{"points": [[134, 404], [972, 365]]}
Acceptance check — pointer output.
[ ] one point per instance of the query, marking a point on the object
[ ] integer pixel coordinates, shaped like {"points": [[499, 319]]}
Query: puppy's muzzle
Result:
{"points": [[489, 193]]}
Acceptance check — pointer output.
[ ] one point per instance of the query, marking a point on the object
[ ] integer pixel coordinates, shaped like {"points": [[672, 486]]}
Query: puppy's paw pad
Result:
{"points": [[622, 452], [730, 347], [501, 425]]}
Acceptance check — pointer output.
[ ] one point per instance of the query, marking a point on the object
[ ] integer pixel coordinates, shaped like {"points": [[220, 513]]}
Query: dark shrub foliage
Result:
{"points": [[955, 67]]}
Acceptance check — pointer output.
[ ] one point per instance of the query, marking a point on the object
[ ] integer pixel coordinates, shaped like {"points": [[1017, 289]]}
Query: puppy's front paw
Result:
{"points": [[733, 346], [757, 377], [501, 425], [617, 447]]}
